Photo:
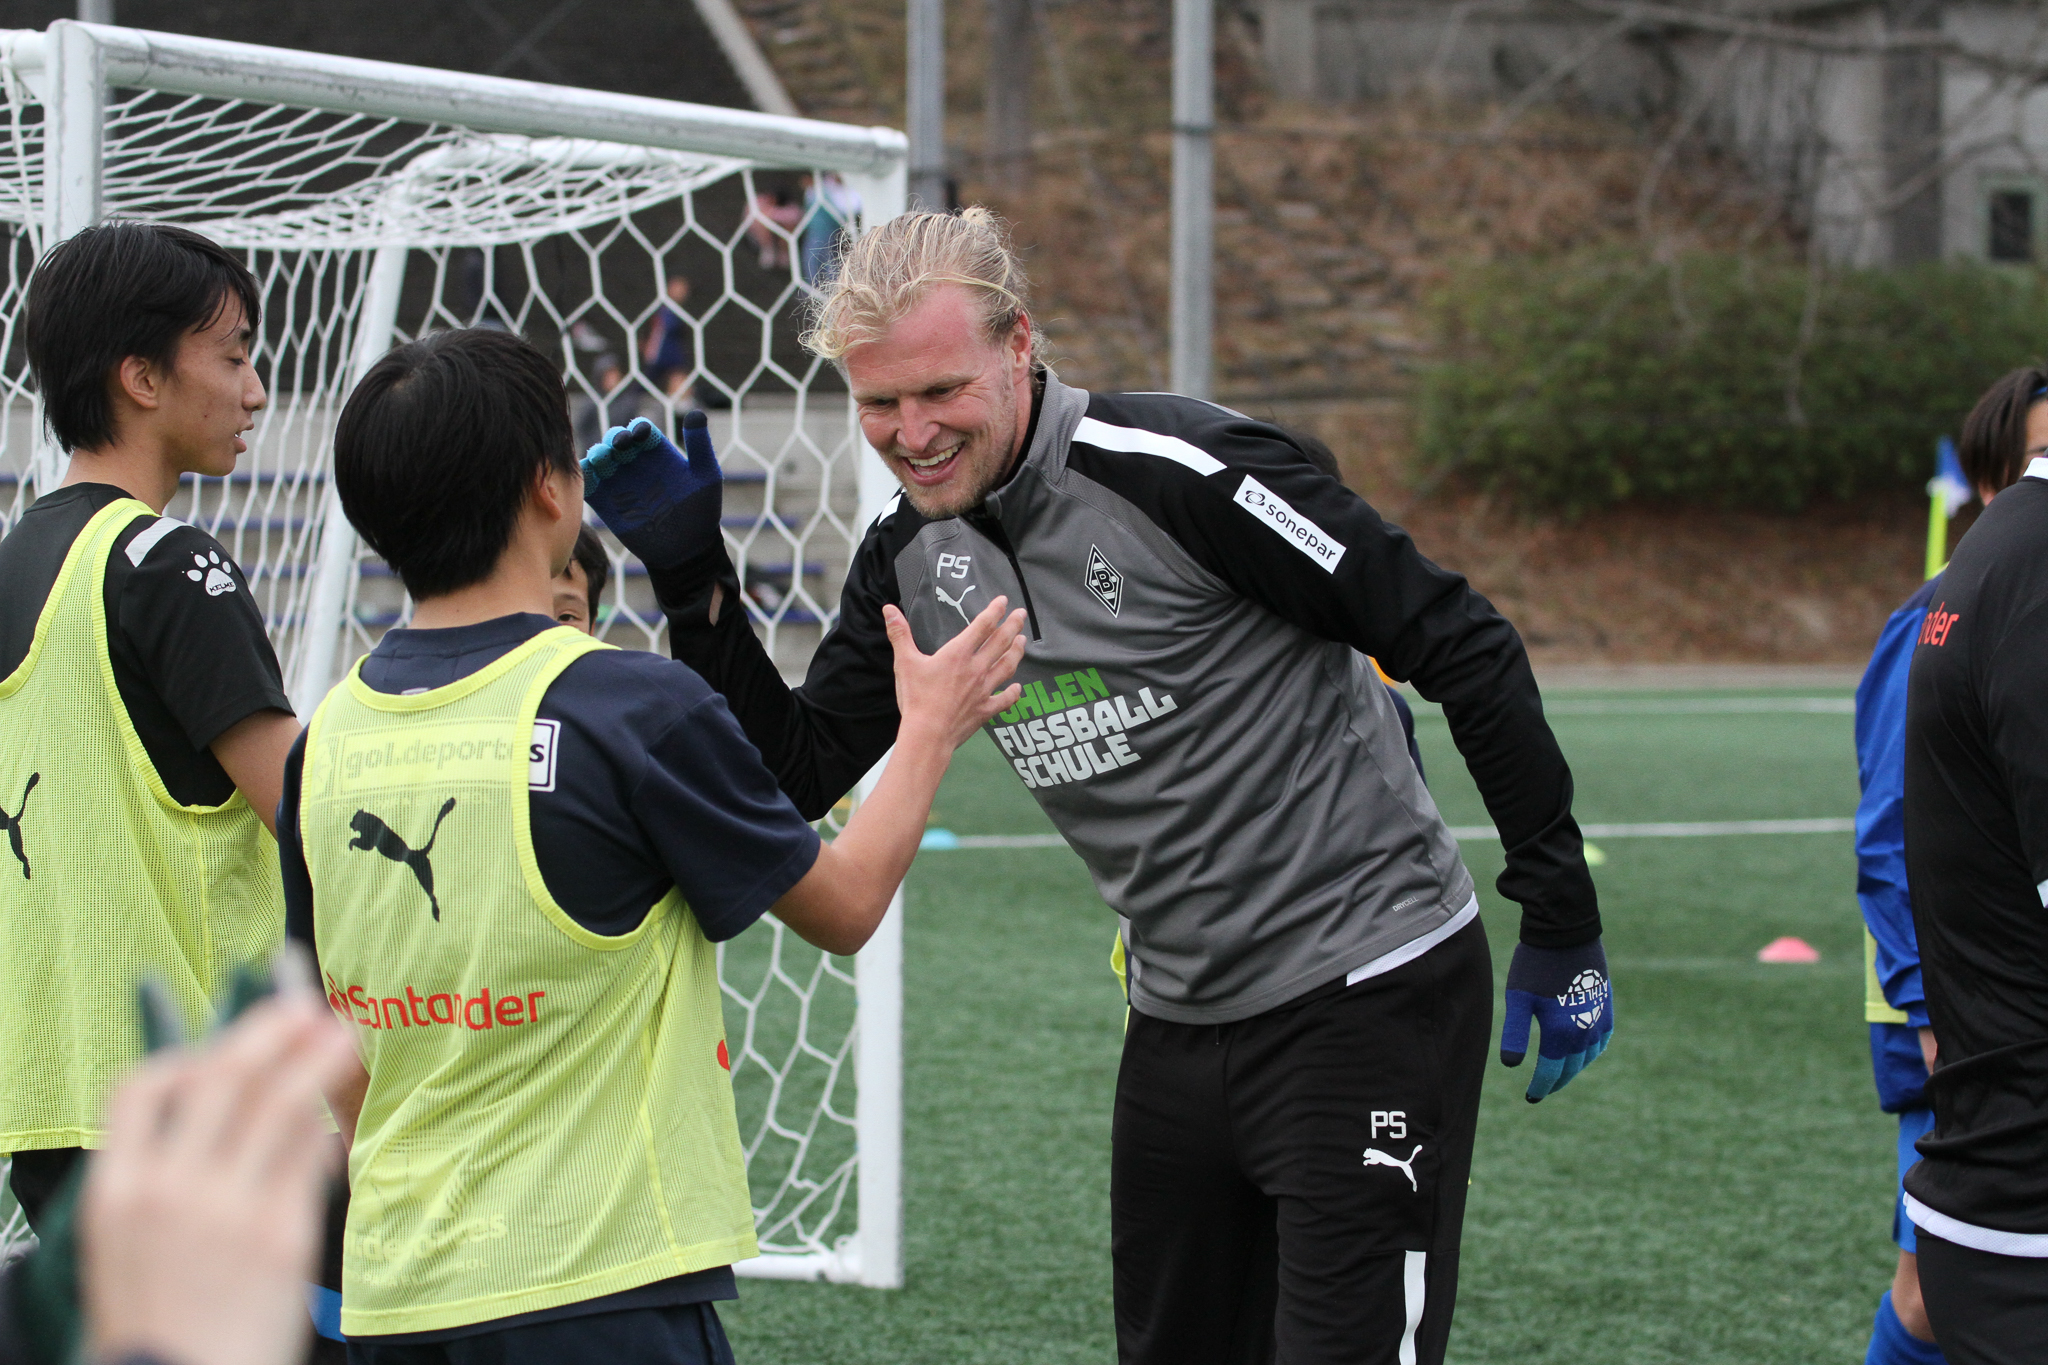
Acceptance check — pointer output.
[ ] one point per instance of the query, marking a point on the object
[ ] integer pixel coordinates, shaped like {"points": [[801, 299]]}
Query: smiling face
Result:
{"points": [[209, 396], [943, 405]]}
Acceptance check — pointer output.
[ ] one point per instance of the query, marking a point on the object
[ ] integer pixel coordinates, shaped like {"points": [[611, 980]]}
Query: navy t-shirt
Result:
{"points": [[654, 786]]}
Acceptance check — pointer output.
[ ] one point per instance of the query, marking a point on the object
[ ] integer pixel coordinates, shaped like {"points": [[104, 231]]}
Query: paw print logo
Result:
{"points": [[208, 569]]}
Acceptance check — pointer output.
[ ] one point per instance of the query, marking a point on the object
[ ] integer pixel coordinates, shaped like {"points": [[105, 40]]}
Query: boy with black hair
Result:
{"points": [[143, 719], [513, 849], [580, 587]]}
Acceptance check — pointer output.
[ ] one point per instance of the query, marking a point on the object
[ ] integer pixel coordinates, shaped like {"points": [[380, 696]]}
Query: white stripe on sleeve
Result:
{"points": [[2033, 1245], [1136, 441], [145, 541]]}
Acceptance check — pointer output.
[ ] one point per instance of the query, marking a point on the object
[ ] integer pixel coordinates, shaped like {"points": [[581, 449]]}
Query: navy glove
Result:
{"points": [[1567, 991], [663, 507]]}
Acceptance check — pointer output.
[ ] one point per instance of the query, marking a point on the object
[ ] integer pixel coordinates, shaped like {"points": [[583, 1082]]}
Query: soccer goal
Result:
{"points": [[664, 251]]}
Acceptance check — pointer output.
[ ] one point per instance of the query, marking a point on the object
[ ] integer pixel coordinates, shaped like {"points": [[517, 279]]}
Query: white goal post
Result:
{"points": [[375, 202]]}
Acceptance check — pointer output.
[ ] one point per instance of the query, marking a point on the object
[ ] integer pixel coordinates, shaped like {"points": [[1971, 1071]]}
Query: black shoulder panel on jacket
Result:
{"points": [[1248, 504]]}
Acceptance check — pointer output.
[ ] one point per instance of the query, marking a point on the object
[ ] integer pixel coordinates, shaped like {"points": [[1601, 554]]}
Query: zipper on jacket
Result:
{"points": [[993, 529]]}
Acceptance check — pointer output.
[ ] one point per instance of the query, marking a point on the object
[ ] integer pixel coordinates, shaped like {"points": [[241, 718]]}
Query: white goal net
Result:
{"points": [[664, 251]]}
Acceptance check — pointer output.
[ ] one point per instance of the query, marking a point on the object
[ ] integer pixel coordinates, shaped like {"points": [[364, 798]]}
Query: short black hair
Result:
{"points": [[117, 290], [597, 565], [1993, 451], [439, 447]]}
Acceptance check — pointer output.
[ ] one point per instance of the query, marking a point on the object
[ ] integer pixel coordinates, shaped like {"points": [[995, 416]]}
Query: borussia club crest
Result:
{"points": [[1105, 582]]}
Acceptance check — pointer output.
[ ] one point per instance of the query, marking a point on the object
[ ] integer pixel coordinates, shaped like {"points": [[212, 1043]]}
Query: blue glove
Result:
{"points": [[1568, 993], [661, 506]]}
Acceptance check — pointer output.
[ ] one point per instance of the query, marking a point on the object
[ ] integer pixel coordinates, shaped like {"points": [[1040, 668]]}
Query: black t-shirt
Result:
{"points": [[654, 786], [189, 651], [1977, 860]]}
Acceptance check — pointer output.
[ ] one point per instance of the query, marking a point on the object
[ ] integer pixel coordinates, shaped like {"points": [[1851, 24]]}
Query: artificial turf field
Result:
{"points": [[1715, 1189]]}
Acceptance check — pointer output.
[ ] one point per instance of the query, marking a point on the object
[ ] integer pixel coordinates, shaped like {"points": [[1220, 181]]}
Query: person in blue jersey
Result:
{"points": [[2007, 427]]}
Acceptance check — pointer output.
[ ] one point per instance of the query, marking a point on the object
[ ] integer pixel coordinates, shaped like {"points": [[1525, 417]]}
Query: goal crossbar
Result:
{"points": [[182, 65]]}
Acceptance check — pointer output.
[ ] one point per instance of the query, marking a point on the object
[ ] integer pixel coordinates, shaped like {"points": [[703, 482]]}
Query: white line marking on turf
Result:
{"points": [[1682, 829], [1686, 829], [1696, 706], [1707, 706]]}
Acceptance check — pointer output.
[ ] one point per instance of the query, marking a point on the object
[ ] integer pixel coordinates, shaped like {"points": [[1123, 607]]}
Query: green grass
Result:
{"points": [[1716, 1189]]}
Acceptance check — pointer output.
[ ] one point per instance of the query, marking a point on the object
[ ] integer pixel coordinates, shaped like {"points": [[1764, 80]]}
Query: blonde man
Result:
{"points": [[1309, 984]]}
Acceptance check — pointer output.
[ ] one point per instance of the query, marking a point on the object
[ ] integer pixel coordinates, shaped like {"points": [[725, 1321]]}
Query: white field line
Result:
{"points": [[1684, 829], [1687, 829], [1697, 706]]}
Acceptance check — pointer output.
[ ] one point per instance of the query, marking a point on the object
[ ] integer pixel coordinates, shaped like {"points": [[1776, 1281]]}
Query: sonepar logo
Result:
{"points": [[1290, 525]]}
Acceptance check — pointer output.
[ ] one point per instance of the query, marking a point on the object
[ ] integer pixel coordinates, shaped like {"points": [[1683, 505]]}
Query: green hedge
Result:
{"points": [[1575, 383]]}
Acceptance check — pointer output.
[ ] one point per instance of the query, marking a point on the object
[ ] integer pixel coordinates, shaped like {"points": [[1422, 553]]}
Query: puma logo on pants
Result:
{"points": [[373, 834]]}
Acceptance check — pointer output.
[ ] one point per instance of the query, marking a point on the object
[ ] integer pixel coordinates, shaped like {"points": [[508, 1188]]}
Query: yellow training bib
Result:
{"points": [[549, 1117], [104, 878], [1876, 1009]]}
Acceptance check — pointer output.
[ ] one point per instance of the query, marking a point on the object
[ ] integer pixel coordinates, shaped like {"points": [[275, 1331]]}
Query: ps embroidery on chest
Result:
{"points": [[955, 567], [207, 569], [1104, 581]]}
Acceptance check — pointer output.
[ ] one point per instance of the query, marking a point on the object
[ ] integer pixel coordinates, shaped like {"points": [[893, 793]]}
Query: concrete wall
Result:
{"points": [[1345, 50], [1997, 133], [1832, 132]]}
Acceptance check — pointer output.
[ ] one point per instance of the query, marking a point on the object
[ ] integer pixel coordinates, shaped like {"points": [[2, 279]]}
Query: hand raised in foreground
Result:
{"points": [[200, 1220], [947, 695]]}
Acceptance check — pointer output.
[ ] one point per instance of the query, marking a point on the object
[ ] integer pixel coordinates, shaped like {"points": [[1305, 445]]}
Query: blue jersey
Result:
{"points": [[1881, 854]]}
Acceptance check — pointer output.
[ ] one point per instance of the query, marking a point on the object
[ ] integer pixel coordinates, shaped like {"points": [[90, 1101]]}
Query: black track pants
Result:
{"points": [[1290, 1188], [1986, 1309]]}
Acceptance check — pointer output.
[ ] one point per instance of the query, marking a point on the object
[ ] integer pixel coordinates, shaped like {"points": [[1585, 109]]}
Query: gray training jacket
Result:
{"points": [[1199, 719]]}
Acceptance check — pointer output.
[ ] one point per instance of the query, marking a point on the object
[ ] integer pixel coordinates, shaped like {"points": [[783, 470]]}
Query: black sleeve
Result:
{"points": [[291, 854], [192, 629], [1320, 557], [2016, 727], [821, 738]]}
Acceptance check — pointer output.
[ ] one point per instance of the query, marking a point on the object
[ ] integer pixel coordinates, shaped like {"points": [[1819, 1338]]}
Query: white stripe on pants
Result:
{"points": [[1412, 1292]]}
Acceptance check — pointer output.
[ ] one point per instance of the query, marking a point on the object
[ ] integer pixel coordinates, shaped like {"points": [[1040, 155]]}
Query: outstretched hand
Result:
{"points": [[950, 693], [664, 506], [200, 1219], [1567, 992]]}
